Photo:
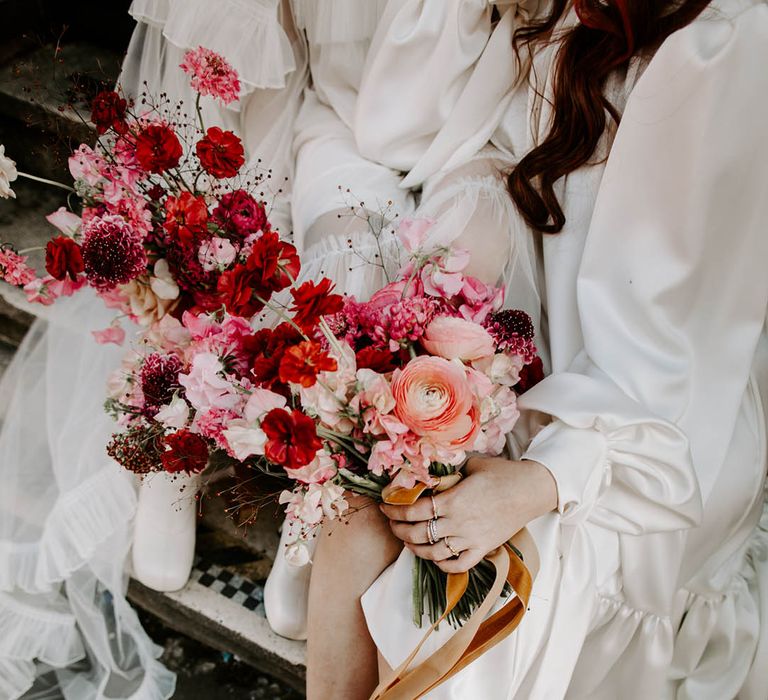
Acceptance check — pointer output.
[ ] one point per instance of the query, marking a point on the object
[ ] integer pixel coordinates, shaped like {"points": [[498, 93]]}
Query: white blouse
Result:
{"points": [[651, 306]]}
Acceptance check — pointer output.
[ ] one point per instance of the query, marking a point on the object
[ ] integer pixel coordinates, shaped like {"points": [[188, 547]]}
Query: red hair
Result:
{"points": [[609, 34]]}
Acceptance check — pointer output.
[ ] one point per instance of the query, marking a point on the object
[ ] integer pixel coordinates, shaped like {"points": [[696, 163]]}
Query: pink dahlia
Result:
{"points": [[112, 253], [240, 215], [211, 74], [159, 379], [14, 268]]}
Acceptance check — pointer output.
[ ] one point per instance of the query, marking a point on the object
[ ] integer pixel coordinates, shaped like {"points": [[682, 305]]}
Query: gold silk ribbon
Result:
{"points": [[478, 634]]}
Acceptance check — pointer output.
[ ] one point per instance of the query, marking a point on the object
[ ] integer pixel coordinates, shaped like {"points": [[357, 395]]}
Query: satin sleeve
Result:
{"points": [[672, 288]]}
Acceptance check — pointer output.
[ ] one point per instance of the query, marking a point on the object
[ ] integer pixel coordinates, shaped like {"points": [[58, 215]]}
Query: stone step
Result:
{"points": [[45, 97]]}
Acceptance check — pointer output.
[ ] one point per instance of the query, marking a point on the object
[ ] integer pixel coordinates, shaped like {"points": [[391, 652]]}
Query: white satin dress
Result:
{"points": [[651, 310]]}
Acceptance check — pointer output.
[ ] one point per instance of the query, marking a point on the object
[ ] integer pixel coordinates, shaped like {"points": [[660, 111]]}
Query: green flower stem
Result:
{"points": [[46, 181]]}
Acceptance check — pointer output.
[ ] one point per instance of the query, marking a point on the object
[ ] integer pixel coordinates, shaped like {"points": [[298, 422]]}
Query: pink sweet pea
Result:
{"points": [[444, 278], [413, 232], [205, 388], [216, 253], [113, 334], [64, 220]]}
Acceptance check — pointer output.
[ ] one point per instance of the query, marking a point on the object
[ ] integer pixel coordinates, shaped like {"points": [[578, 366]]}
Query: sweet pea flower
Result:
{"points": [[205, 388], [162, 282], [175, 414], [244, 440], [8, 174], [65, 221], [85, 164], [261, 402], [413, 232], [501, 368], [318, 471], [113, 334], [444, 277]]}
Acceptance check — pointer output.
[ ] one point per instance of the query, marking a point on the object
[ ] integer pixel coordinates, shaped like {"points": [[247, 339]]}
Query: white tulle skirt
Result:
{"points": [[66, 513]]}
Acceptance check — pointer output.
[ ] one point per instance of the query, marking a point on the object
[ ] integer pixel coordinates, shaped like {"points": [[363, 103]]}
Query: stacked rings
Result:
{"points": [[432, 531]]}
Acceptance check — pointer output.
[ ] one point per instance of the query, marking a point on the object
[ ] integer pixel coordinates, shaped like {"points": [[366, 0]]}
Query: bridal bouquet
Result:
{"points": [[401, 389], [167, 218]]}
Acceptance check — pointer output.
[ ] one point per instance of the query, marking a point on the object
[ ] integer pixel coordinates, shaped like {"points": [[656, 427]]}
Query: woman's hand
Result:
{"points": [[496, 500]]}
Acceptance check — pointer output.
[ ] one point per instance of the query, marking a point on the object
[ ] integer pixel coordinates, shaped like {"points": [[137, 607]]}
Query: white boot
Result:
{"points": [[286, 592], [164, 532]]}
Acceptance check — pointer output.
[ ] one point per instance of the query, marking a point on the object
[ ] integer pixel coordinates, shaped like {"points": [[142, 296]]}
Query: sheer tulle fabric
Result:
{"points": [[65, 510]]}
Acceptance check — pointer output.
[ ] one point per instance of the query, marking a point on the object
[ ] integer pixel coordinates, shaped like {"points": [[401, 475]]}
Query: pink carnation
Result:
{"points": [[211, 74], [213, 423], [14, 268]]}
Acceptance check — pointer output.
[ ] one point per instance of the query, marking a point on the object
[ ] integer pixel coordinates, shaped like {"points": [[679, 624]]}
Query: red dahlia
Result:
{"points": [[158, 148], [275, 262], [63, 257], [186, 217], [291, 438], [240, 215], [220, 152], [311, 301], [302, 363], [112, 253], [184, 451], [268, 347], [108, 112]]}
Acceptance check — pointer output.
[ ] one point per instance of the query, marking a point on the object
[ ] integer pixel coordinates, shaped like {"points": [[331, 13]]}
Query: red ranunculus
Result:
{"points": [[311, 301], [186, 217], [237, 289], [381, 361], [302, 363], [220, 152], [185, 451], [63, 257], [108, 112], [291, 438], [239, 214], [158, 148]]}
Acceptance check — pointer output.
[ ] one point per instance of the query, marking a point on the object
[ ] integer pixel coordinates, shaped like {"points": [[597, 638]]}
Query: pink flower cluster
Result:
{"points": [[211, 74]]}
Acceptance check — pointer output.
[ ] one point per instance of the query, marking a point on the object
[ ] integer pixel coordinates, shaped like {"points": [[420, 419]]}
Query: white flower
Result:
{"points": [[297, 554], [205, 387], [162, 282], [174, 414], [8, 174], [244, 440], [261, 402]]}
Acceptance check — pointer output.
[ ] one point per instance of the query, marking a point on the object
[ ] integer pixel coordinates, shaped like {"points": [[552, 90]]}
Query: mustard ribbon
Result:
{"points": [[477, 635]]}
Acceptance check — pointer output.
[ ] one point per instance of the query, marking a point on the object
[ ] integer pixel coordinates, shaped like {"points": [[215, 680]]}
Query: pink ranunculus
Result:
{"points": [[456, 338], [480, 299], [390, 294], [65, 221], [112, 334], [413, 232], [435, 400]]}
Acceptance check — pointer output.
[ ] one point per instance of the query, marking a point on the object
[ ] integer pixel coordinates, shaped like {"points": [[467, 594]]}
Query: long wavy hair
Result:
{"points": [[609, 34]]}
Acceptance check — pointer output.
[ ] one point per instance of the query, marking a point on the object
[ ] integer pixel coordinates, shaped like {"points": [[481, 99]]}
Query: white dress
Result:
{"points": [[651, 306], [66, 509]]}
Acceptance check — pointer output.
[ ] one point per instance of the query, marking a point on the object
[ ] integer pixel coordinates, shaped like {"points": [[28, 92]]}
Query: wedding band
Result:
{"points": [[432, 531], [448, 544], [434, 507]]}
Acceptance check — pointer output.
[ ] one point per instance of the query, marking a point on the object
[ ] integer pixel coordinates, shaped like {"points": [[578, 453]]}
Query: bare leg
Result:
{"points": [[342, 661]]}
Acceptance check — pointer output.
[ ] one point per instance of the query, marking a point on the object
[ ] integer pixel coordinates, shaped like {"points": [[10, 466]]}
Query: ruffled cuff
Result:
{"points": [[615, 462], [248, 33], [577, 459]]}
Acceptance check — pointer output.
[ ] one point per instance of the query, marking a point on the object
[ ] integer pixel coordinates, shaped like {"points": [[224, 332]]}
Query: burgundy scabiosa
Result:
{"points": [[512, 330], [159, 379], [112, 253]]}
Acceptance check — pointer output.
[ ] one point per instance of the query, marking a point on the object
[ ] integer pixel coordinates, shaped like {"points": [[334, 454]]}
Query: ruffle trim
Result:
{"points": [[30, 632], [80, 521], [248, 33], [338, 21], [16, 677]]}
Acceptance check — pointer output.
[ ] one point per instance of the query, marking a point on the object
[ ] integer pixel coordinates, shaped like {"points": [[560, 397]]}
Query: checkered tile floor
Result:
{"points": [[229, 584]]}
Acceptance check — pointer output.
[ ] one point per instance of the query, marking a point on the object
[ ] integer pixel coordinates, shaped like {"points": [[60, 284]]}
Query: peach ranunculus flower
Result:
{"points": [[456, 338], [435, 400]]}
